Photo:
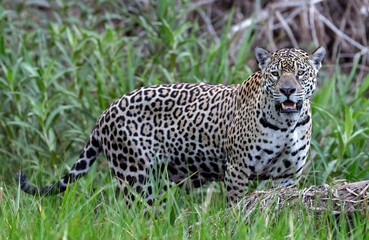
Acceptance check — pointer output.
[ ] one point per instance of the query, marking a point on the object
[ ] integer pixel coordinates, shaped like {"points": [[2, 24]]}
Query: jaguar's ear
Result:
{"points": [[317, 57], [262, 57]]}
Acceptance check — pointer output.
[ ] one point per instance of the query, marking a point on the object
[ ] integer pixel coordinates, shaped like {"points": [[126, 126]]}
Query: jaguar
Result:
{"points": [[202, 132]]}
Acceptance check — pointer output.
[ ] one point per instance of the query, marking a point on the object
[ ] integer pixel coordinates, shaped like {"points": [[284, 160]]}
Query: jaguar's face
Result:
{"points": [[289, 76]]}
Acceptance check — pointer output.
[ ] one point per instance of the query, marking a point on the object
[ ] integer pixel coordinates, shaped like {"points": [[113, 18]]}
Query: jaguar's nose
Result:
{"points": [[287, 91]]}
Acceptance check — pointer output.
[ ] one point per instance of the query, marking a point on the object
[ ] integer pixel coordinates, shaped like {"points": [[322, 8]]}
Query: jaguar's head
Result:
{"points": [[289, 76]]}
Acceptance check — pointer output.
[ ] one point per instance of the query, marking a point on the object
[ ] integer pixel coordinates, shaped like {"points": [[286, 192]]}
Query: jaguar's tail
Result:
{"points": [[84, 162]]}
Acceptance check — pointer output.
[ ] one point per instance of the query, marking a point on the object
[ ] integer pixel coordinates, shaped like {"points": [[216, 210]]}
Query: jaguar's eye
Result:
{"points": [[300, 73], [275, 74]]}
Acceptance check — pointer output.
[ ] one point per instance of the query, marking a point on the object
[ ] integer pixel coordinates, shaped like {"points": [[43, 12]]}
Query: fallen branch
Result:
{"points": [[287, 29], [363, 49], [269, 11], [343, 198]]}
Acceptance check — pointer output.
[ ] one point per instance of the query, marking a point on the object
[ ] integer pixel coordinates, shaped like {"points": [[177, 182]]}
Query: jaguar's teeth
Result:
{"points": [[283, 106], [294, 106]]}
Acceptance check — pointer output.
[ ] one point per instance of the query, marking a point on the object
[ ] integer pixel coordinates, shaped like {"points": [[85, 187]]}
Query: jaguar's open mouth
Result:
{"points": [[289, 107]]}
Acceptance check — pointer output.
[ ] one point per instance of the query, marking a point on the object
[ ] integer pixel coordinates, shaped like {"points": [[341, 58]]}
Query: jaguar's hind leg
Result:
{"points": [[147, 192]]}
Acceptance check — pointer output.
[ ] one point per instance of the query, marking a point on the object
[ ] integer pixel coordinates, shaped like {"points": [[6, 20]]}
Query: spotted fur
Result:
{"points": [[259, 129]]}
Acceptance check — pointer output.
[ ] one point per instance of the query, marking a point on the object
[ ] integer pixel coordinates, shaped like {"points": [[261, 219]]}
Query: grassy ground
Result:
{"points": [[62, 65]]}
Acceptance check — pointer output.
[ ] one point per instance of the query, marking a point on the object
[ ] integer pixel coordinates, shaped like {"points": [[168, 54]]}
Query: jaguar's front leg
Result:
{"points": [[287, 179], [283, 182], [236, 183]]}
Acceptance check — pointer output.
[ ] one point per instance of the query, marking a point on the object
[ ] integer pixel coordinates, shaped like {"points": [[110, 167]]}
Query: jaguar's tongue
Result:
{"points": [[288, 105]]}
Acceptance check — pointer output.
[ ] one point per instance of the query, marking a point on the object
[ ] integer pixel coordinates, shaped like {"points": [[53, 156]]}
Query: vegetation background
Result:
{"points": [[63, 62]]}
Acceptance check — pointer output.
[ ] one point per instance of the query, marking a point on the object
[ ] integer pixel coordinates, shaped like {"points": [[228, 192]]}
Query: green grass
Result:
{"points": [[61, 66]]}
